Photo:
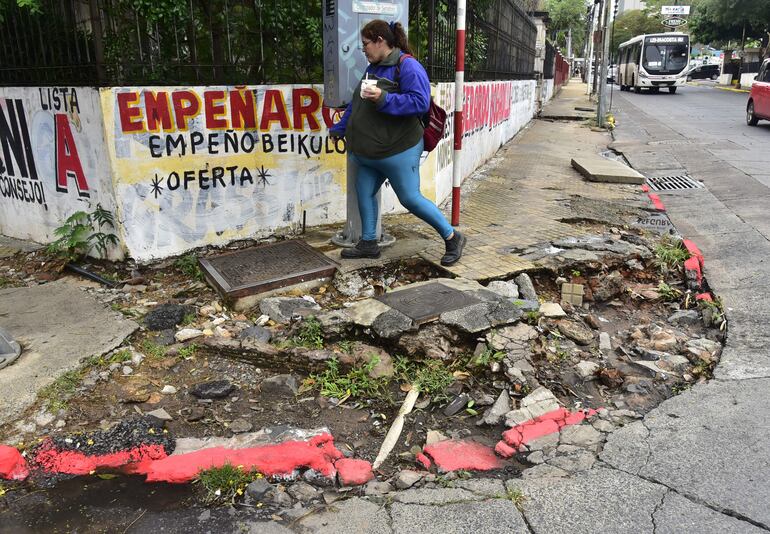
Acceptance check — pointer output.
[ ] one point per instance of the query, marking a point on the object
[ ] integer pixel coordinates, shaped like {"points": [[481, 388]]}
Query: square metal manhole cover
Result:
{"points": [[260, 269], [673, 183], [425, 303]]}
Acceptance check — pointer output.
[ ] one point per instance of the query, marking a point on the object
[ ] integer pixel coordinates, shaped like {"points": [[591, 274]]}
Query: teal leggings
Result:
{"points": [[403, 172]]}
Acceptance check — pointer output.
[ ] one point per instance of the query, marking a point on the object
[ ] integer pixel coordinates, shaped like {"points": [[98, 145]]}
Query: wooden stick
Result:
{"points": [[391, 438]]}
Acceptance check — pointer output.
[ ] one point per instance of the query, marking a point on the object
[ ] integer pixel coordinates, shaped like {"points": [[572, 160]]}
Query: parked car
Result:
{"points": [[704, 72], [612, 73], [758, 106]]}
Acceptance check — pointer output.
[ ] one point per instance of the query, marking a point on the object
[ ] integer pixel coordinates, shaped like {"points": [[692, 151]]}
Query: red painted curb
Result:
{"points": [[692, 270], [352, 472], [518, 436], [13, 466], [704, 296], [645, 188], [656, 202], [451, 455], [281, 460], [693, 249], [423, 461]]}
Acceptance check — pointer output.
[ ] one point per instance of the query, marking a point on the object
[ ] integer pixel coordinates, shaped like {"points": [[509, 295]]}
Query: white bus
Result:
{"points": [[653, 61]]}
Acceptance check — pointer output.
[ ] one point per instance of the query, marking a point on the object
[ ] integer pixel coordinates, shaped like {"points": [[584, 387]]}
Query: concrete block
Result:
{"points": [[598, 169]]}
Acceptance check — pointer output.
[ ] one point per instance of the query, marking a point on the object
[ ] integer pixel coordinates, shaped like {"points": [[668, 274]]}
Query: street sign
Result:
{"points": [[675, 10], [673, 22]]}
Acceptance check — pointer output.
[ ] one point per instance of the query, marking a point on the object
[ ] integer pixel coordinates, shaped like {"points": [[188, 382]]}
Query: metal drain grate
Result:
{"points": [[425, 303], [672, 183], [260, 269]]}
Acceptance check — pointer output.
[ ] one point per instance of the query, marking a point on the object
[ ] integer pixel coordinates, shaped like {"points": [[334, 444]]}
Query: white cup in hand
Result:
{"points": [[366, 85]]}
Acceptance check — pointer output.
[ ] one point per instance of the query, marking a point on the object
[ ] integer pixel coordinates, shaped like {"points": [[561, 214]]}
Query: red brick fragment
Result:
{"points": [[352, 472], [504, 450], [423, 460], [13, 466], [451, 455]]}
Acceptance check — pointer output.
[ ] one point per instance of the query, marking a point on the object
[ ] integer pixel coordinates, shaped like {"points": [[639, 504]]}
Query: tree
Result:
{"points": [[720, 21], [632, 23], [567, 15]]}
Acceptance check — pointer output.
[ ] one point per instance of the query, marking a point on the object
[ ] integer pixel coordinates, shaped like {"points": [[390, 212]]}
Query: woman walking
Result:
{"points": [[384, 137]]}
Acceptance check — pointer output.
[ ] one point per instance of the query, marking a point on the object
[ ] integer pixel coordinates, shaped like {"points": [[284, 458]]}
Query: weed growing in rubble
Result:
{"points": [[153, 350], [532, 317], [668, 293], [310, 334], [188, 352], [516, 496], [670, 253], [57, 393], [223, 485], [431, 377], [346, 346], [188, 265], [487, 357], [120, 356], [356, 383]]}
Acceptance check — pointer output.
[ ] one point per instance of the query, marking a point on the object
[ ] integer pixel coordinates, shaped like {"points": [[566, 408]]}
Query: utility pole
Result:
{"points": [[597, 49], [602, 106]]}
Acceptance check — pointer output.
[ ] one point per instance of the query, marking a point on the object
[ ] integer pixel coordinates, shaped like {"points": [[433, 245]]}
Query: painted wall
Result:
{"points": [[52, 159], [183, 167]]}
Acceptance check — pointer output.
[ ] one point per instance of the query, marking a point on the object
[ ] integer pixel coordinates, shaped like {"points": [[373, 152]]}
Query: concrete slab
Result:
{"points": [[10, 246], [494, 516], [600, 500], [598, 169], [707, 443], [354, 516], [678, 515], [57, 325]]}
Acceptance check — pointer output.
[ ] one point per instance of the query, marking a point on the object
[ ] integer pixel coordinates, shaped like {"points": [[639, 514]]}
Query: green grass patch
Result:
{"points": [[670, 253], [356, 383], [487, 357], [223, 485], [346, 346], [668, 292], [431, 377]]}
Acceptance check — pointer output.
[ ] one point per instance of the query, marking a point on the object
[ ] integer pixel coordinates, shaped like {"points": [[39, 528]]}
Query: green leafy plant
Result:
{"points": [[223, 485], [309, 334], [82, 232], [189, 319], [188, 265], [670, 253]]}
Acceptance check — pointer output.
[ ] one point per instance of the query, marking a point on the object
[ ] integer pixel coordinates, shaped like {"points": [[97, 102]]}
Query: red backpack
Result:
{"points": [[434, 121]]}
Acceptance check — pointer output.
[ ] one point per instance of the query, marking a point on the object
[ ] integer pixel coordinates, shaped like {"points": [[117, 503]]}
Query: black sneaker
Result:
{"points": [[363, 249], [454, 249]]}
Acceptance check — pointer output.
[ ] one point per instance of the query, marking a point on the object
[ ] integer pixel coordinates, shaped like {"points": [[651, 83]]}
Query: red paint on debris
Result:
{"points": [[645, 188], [282, 459], [692, 269], [134, 460], [504, 450], [693, 249], [704, 296], [423, 460], [520, 435], [451, 455], [656, 202], [13, 466], [353, 472]]}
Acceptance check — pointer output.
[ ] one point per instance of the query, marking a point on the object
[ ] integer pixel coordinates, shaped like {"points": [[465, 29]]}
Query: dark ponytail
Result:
{"points": [[392, 33]]}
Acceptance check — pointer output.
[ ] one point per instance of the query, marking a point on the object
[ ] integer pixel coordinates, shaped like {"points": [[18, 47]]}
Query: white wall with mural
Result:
{"points": [[52, 159], [184, 167]]}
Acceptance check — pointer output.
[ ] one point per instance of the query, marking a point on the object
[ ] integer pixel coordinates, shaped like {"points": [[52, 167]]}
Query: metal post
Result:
{"points": [[602, 106], [458, 118]]}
